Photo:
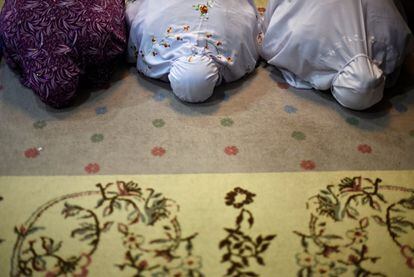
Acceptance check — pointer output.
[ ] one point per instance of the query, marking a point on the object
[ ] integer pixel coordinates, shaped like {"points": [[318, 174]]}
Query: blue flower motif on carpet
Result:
{"points": [[401, 108], [290, 109], [101, 110], [159, 96]]}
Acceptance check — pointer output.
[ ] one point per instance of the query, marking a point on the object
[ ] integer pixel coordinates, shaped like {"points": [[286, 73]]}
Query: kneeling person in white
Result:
{"points": [[349, 46], [193, 44]]}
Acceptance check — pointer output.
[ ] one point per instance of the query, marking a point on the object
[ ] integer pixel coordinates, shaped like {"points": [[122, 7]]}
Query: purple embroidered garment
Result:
{"points": [[55, 44]]}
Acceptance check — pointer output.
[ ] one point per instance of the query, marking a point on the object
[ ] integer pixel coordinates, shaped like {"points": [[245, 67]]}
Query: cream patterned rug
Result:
{"points": [[278, 224]]}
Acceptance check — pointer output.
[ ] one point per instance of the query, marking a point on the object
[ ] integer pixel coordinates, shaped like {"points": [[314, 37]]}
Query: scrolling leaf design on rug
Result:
{"points": [[147, 240], [241, 249], [167, 255], [354, 205]]}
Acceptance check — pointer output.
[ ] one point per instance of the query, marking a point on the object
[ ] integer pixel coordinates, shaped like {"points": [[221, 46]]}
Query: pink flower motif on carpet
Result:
{"points": [[308, 165], [365, 149], [92, 168], [283, 85], [158, 151], [231, 150], [31, 153], [408, 253], [78, 268]]}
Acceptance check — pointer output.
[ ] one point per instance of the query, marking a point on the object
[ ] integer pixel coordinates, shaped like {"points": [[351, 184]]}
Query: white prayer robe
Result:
{"points": [[348, 46], [194, 44]]}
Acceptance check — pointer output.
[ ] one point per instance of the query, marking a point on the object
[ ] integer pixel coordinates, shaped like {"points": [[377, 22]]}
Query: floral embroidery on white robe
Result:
{"points": [[164, 31]]}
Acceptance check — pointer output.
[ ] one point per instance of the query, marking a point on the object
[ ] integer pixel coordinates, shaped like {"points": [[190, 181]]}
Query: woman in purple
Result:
{"points": [[55, 45]]}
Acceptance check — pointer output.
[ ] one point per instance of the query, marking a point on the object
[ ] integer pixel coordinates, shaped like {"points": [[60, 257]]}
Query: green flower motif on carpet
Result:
{"points": [[39, 124], [352, 121], [158, 123], [97, 138], [227, 122], [298, 135]]}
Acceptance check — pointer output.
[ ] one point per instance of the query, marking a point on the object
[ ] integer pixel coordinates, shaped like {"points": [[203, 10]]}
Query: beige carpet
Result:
{"points": [[254, 125]]}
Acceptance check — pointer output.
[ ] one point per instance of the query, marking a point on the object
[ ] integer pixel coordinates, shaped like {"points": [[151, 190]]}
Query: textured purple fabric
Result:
{"points": [[56, 44]]}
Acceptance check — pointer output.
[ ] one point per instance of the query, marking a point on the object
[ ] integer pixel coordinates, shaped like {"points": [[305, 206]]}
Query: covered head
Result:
{"points": [[193, 78], [359, 84]]}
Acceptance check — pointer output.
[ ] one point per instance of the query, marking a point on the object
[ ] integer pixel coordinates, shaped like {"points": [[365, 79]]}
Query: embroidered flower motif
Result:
{"points": [[261, 10], [231, 150], [135, 51], [158, 151], [31, 153], [305, 260], [357, 236], [260, 38], [39, 124], [229, 59], [92, 168], [308, 165], [132, 241], [186, 28], [365, 149], [218, 43], [192, 262], [170, 30], [165, 44], [408, 253], [239, 197], [209, 35], [154, 39], [203, 8]]}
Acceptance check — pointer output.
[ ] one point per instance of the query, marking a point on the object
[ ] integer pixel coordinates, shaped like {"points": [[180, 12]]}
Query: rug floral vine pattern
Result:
{"points": [[355, 226], [1, 199], [240, 247], [356, 204], [123, 207]]}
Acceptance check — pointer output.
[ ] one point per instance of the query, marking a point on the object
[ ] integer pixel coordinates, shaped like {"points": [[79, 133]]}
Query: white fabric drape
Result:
{"points": [[348, 46], [220, 35]]}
